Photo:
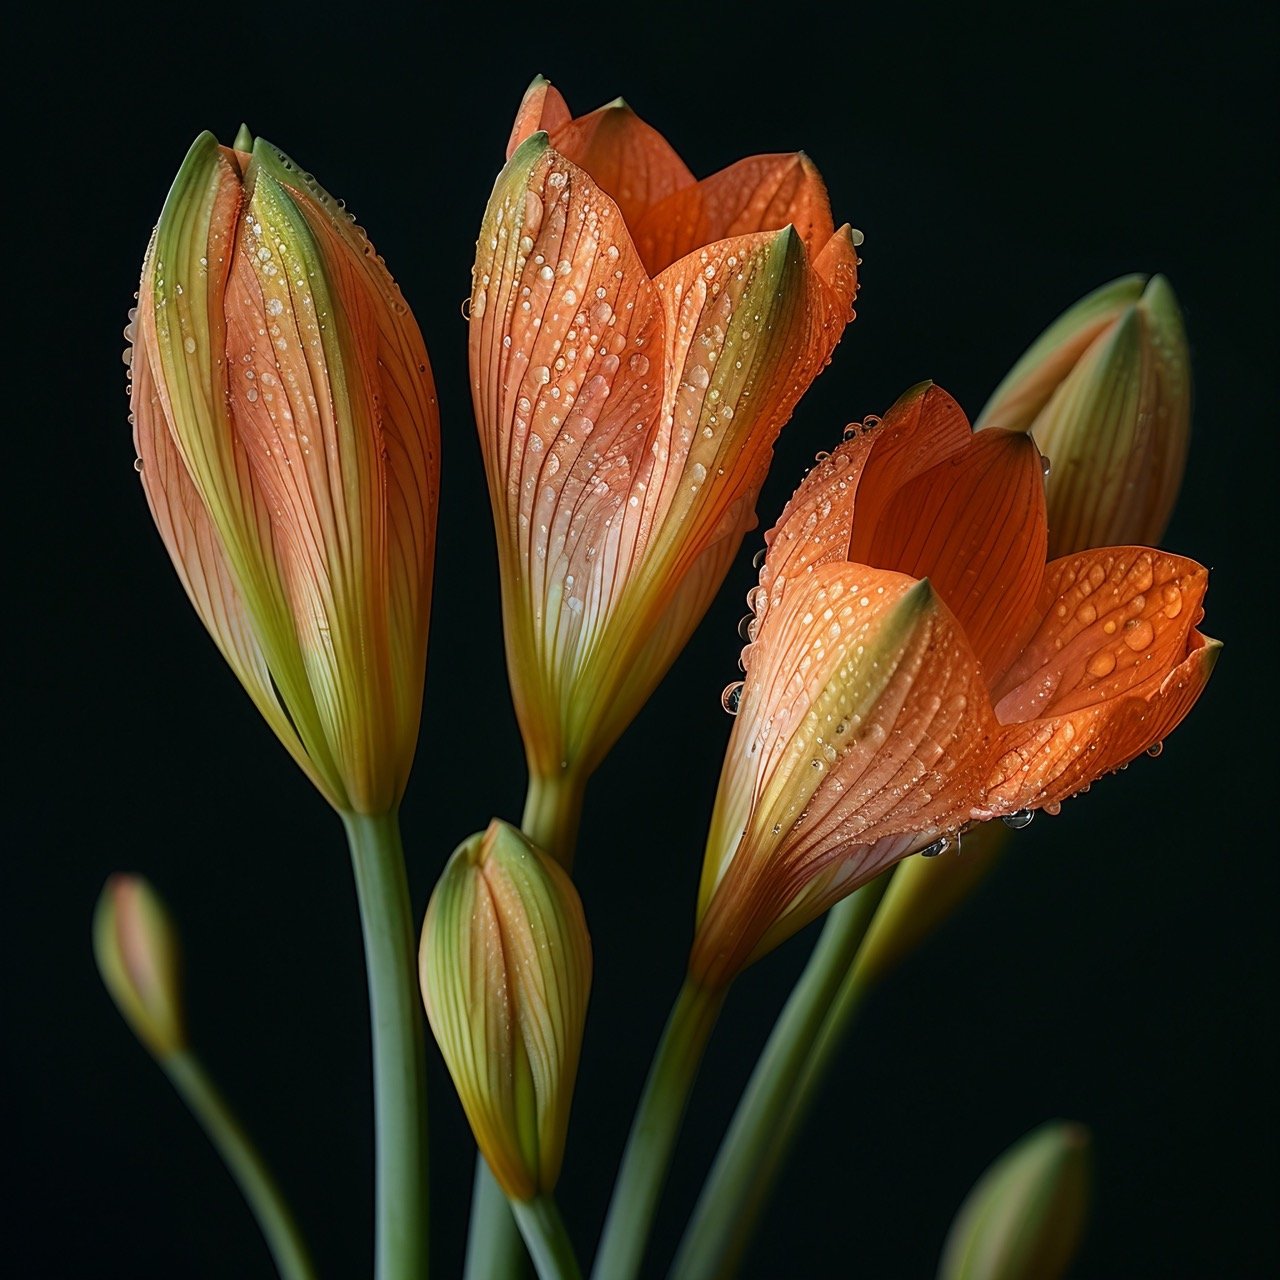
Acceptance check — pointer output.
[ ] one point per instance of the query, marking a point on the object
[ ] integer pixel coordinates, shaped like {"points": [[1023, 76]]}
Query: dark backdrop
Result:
{"points": [[1117, 970]]}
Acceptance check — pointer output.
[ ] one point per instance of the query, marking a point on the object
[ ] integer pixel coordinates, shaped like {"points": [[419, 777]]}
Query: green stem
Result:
{"points": [[242, 1159], [777, 1095], [552, 812], [495, 1250], [399, 1057], [653, 1132], [548, 1241]]}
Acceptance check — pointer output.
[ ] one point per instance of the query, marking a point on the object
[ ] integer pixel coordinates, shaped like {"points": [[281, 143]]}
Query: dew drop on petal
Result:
{"points": [[731, 697], [1018, 819], [1155, 749], [937, 847]]}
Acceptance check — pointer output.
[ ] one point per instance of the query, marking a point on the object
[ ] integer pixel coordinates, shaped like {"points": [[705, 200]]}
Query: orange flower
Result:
{"points": [[638, 338], [920, 668], [287, 436]]}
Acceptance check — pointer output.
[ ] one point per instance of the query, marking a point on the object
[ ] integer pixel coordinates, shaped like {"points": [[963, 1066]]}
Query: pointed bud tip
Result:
{"points": [[1024, 1218], [138, 955]]}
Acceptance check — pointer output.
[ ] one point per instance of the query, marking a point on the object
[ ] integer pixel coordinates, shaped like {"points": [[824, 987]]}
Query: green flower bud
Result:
{"points": [[1024, 1217], [136, 947], [506, 971], [1106, 393]]}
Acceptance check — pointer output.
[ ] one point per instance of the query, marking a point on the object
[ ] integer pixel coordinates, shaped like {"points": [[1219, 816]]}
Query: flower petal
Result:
{"points": [[862, 707], [974, 525], [923, 428], [182, 328], [362, 477], [542, 108], [198, 556], [760, 193], [627, 158], [1111, 622], [1043, 762], [817, 525]]}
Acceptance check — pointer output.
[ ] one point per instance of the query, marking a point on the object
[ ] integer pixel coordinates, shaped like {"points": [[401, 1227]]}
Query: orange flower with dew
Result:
{"points": [[638, 339], [286, 427], [920, 668]]}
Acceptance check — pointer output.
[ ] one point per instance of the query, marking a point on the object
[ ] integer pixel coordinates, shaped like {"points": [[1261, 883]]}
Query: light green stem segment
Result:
{"points": [[242, 1159], [495, 1250], [552, 814], [653, 1132], [777, 1097], [399, 1056], [548, 1241]]}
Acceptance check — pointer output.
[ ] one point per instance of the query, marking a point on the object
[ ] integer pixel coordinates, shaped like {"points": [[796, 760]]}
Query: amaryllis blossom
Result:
{"points": [[638, 338], [287, 436], [917, 666]]}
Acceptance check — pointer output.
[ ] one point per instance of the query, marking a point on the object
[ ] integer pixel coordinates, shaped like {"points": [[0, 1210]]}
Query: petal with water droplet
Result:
{"points": [[760, 193]]}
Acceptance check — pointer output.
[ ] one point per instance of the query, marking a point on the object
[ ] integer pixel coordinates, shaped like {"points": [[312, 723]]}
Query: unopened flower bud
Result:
{"points": [[138, 955], [506, 972], [1106, 393], [1025, 1215]]}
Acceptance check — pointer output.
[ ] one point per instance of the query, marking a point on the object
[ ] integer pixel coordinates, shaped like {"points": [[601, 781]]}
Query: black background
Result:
{"points": [[1119, 967]]}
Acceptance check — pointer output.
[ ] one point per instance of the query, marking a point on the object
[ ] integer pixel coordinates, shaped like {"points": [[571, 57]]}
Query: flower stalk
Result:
{"points": [[399, 1054], [653, 1131], [544, 1232], [246, 1166], [768, 1115]]}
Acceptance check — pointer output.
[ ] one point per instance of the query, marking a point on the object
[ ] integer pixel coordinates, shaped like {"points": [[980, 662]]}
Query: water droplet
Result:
{"points": [[744, 626], [1101, 664], [1018, 819], [937, 847], [1155, 749], [1138, 634], [137, 466], [731, 697], [758, 559], [1045, 465], [189, 345]]}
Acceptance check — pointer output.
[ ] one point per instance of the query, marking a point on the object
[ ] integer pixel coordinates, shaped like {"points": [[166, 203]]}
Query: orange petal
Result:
{"points": [[542, 108], [567, 370], [924, 427], [1112, 622], [818, 526], [761, 193], [626, 158], [1044, 761], [974, 525], [395, 408], [198, 556], [862, 709]]}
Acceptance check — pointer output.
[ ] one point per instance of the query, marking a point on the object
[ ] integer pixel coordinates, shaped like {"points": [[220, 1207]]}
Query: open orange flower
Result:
{"points": [[920, 667], [638, 338], [286, 426]]}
